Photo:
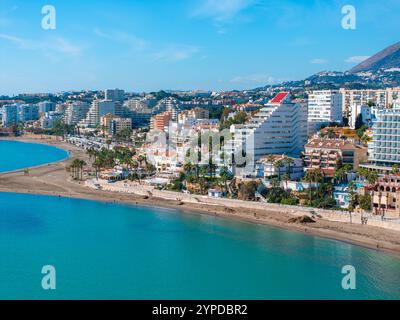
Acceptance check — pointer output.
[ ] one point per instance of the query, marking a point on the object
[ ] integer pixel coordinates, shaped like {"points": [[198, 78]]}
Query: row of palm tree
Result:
{"points": [[313, 177], [107, 159], [206, 175], [76, 169], [368, 175]]}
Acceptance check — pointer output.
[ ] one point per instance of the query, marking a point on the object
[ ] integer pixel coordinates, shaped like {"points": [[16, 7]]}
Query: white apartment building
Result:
{"points": [[280, 128], [9, 115], [168, 105], [28, 112], [75, 112], [382, 98], [46, 106], [15, 113], [324, 107], [356, 110]]}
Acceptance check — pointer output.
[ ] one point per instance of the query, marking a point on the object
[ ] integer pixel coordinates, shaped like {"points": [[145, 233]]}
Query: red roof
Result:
{"points": [[279, 97]]}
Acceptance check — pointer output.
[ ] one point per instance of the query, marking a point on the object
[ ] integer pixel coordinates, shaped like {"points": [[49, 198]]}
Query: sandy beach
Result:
{"points": [[54, 180]]}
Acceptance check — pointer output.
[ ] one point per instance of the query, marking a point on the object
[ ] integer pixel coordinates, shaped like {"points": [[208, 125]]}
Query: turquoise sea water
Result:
{"points": [[109, 251], [17, 155]]}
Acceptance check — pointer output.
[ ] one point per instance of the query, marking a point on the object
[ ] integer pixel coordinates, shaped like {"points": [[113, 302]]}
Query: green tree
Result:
{"points": [[359, 122], [224, 177], [366, 202]]}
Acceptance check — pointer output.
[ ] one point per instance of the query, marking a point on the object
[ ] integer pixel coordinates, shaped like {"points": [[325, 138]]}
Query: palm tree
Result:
{"points": [[97, 165], [314, 176], [288, 162], [81, 164], [309, 177], [224, 174], [150, 169], [108, 143], [286, 178], [319, 175], [372, 177], [75, 168], [278, 165], [353, 199], [339, 175], [91, 153], [203, 185]]}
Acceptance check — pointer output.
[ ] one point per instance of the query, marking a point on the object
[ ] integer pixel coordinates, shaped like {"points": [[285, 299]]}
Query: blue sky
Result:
{"points": [[149, 45]]}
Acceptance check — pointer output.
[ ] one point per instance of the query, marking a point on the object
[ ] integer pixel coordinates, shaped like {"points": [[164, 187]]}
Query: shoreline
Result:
{"points": [[53, 180]]}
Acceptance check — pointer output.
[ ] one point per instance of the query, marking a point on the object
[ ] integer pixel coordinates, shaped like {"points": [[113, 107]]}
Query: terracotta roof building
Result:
{"points": [[328, 154]]}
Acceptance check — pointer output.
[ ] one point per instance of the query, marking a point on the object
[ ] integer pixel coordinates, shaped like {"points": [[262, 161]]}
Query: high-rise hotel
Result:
{"points": [[280, 128], [385, 148]]}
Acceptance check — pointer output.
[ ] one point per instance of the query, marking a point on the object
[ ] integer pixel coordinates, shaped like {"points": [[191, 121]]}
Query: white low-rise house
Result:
{"points": [[116, 174], [215, 193], [342, 196], [268, 167], [297, 186]]}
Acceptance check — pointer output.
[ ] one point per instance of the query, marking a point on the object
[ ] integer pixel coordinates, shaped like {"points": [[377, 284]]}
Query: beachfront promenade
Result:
{"points": [[247, 206]]}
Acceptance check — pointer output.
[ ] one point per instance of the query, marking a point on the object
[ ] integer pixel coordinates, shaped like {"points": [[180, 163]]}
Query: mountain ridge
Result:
{"points": [[386, 59]]}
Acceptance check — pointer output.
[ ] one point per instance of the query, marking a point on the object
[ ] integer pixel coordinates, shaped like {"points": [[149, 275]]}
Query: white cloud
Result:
{"points": [[134, 42], [319, 61], [51, 46], [222, 10], [255, 79], [357, 59], [174, 53], [16, 40]]}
